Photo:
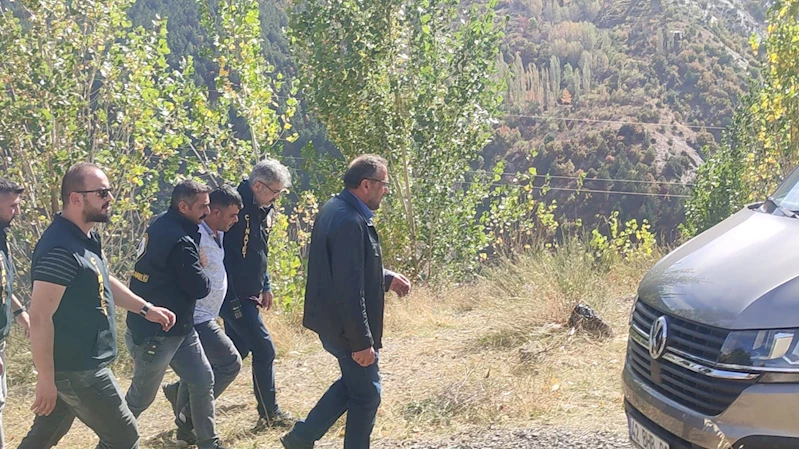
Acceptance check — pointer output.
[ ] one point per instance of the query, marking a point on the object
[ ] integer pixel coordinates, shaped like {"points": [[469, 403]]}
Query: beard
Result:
{"points": [[97, 215]]}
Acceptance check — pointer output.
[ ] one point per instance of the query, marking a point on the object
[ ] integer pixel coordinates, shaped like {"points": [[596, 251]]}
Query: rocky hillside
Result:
{"points": [[622, 90]]}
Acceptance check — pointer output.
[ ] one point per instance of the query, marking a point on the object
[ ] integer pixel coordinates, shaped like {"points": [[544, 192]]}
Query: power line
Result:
{"points": [[609, 192], [585, 179], [574, 178], [615, 122]]}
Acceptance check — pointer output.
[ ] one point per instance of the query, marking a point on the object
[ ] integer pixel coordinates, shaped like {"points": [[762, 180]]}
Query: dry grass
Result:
{"points": [[494, 353]]}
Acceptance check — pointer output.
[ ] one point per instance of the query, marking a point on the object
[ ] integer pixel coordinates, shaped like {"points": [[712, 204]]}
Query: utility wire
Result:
{"points": [[614, 122]]}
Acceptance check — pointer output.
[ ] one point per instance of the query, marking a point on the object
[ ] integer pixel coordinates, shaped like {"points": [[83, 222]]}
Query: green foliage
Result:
{"points": [[760, 147], [288, 242], [97, 88], [406, 80], [629, 241]]}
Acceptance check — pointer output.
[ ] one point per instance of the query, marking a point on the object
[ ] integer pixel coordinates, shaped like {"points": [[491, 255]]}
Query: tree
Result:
{"points": [[405, 79], [96, 88], [760, 146]]}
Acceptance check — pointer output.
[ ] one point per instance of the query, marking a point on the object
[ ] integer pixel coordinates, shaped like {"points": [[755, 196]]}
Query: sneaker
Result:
{"points": [[289, 441], [278, 419]]}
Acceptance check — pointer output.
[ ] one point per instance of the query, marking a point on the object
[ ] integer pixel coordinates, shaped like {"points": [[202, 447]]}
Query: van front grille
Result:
{"points": [[704, 394]]}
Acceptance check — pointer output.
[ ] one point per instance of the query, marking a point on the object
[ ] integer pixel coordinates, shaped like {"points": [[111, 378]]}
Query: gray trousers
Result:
{"points": [[95, 398], [186, 357], [224, 359]]}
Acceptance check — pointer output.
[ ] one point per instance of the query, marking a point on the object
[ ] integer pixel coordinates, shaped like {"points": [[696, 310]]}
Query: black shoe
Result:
{"points": [[275, 420], [185, 437], [171, 393], [289, 441]]}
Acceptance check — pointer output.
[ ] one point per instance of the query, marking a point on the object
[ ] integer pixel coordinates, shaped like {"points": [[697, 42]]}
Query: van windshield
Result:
{"points": [[787, 195]]}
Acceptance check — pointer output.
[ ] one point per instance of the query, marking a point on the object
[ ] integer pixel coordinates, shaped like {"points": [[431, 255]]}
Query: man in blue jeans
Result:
{"points": [[344, 304], [249, 288], [220, 351]]}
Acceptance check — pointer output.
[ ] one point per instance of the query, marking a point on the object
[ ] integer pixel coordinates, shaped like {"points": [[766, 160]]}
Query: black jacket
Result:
{"points": [[6, 285], [346, 285], [246, 248], [168, 274]]}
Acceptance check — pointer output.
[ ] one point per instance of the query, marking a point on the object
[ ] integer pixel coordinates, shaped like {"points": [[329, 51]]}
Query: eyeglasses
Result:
{"points": [[381, 181], [102, 193], [276, 192]]}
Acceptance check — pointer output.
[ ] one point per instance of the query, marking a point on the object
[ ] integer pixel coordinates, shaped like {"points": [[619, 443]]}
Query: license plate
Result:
{"points": [[644, 438]]}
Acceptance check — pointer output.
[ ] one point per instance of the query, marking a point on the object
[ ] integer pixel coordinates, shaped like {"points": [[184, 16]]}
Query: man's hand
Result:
{"points": [[267, 298], [24, 321], [400, 285], [203, 258], [46, 396], [162, 316], [365, 357]]}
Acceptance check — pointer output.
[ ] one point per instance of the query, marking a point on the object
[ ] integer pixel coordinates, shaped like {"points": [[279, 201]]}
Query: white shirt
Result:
{"points": [[207, 309]]}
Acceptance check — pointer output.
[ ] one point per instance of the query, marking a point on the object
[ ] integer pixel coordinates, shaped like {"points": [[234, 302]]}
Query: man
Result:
{"points": [[73, 332], [344, 302], [10, 193], [245, 259], [169, 273], [220, 351]]}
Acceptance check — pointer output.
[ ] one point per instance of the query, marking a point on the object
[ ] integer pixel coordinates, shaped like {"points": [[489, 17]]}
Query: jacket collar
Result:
{"points": [[191, 228], [358, 205], [248, 197], [72, 228]]}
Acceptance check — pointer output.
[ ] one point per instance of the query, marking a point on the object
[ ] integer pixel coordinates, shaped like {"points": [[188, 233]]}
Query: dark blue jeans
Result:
{"points": [[250, 336], [356, 392]]}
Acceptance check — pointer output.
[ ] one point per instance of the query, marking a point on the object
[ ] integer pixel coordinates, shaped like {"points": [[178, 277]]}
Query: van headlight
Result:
{"points": [[764, 350]]}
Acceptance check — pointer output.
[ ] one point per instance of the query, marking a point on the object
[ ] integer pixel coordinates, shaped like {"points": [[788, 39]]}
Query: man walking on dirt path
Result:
{"points": [[246, 252], [344, 304], [220, 351], [73, 329]]}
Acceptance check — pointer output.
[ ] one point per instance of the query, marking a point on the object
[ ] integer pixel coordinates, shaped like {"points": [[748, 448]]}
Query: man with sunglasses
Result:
{"points": [[248, 284], [73, 329], [169, 272]]}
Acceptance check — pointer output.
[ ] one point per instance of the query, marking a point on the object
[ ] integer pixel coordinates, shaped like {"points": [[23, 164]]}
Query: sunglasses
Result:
{"points": [[102, 193]]}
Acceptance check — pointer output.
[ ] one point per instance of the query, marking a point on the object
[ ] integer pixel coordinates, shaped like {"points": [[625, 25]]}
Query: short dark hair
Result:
{"points": [[9, 186], [225, 196], [73, 179], [186, 192], [363, 167]]}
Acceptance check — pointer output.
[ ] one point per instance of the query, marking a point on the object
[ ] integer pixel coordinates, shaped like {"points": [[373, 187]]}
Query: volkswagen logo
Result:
{"points": [[658, 335]]}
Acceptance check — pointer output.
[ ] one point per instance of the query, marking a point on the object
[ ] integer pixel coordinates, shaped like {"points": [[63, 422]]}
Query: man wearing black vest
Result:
{"points": [[248, 284], [169, 273], [344, 303], [73, 331], [9, 304]]}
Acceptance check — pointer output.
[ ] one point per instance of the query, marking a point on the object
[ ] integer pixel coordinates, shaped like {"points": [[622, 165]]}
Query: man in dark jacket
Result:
{"points": [[169, 273], [344, 303], [248, 284]]}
